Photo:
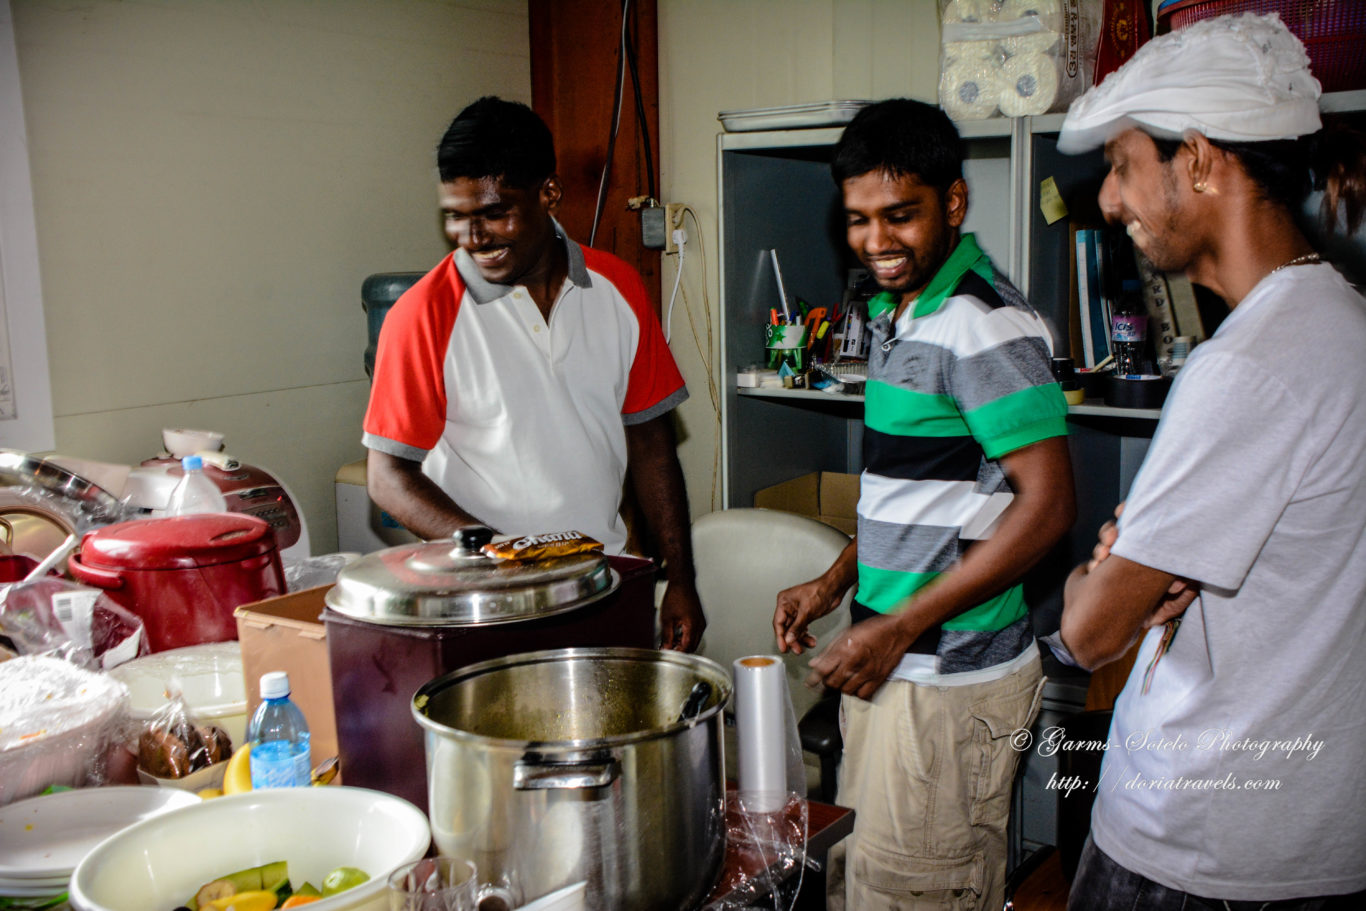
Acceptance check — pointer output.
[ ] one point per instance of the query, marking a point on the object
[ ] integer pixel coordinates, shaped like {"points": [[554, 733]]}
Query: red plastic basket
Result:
{"points": [[1333, 31]]}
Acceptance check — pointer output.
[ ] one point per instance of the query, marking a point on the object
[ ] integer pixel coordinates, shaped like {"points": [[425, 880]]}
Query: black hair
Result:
{"points": [[900, 137], [1332, 160], [496, 138]]}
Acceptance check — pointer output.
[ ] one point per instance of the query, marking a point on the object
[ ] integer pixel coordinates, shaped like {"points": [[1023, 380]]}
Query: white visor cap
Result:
{"points": [[1238, 78]]}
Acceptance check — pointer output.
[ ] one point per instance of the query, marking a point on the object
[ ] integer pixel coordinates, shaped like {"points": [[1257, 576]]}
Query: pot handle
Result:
{"points": [[528, 775], [89, 575]]}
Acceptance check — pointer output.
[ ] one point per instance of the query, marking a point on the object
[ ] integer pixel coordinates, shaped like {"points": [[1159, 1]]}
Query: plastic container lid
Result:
{"points": [[209, 677], [275, 685], [192, 463]]}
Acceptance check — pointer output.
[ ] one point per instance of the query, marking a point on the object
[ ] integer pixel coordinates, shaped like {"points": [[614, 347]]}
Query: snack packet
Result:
{"points": [[542, 547]]}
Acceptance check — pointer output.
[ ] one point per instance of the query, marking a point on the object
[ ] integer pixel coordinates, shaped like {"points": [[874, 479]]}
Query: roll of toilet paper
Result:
{"points": [[1028, 84], [1031, 43], [1030, 26], [967, 11], [766, 733], [989, 51], [1047, 12], [968, 89]]}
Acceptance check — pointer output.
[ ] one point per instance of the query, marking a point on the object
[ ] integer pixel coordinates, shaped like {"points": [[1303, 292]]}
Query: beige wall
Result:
{"points": [[723, 55], [212, 182]]}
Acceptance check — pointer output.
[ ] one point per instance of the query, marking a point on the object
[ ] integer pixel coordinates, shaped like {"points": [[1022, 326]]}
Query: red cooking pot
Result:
{"points": [[183, 575]]}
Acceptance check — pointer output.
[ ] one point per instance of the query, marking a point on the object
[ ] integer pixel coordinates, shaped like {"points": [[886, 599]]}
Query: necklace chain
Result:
{"points": [[1301, 260]]}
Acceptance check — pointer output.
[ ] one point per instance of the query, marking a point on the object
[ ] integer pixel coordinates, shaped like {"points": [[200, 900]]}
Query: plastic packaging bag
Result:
{"points": [[173, 745], [56, 617], [58, 723], [771, 848], [311, 572], [1015, 57]]}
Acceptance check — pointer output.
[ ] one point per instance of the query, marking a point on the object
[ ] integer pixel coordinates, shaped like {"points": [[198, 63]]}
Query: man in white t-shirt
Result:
{"points": [[517, 381], [1235, 770]]}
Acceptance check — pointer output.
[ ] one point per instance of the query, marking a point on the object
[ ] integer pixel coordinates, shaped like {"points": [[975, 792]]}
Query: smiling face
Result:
{"points": [[1145, 194], [507, 230], [901, 228]]}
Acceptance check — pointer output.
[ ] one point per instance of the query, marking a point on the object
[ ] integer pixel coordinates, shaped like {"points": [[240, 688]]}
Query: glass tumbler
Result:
{"points": [[434, 884]]}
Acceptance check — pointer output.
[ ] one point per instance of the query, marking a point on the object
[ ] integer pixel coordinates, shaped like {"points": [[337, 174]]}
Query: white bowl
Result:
{"points": [[210, 678], [159, 863], [180, 442]]}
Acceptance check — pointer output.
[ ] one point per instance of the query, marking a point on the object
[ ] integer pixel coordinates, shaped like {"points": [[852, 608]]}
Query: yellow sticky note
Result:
{"points": [[1050, 201]]}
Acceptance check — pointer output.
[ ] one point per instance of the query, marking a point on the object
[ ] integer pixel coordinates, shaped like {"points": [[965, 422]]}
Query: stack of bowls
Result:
{"points": [[42, 839]]}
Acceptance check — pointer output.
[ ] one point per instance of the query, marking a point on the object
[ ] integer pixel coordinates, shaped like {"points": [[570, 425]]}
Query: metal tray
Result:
{"points": [[792, 116]]}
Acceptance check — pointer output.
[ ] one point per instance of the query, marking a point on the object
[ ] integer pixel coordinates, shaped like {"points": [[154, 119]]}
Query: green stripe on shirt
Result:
{"points": [[996, 425], [886, 592], [892, 409]]}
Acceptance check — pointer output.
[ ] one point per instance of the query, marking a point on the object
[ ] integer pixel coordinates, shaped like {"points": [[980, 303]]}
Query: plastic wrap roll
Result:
{"points": [[766, 733], [968, 89], [1028, 85]]}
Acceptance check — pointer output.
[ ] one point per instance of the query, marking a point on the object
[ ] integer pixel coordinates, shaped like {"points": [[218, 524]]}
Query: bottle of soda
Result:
{"points": [[279, 738], [1129, 330]]}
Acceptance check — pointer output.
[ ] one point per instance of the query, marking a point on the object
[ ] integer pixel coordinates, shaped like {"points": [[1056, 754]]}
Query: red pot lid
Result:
{"points": [[177, 542]]}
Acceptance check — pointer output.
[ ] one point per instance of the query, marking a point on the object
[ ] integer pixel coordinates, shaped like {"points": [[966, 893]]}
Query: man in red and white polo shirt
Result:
{"points": [[517, 381]]}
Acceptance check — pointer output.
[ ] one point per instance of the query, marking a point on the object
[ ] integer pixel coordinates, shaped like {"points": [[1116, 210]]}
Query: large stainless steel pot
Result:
{"points": [[557, 767]]}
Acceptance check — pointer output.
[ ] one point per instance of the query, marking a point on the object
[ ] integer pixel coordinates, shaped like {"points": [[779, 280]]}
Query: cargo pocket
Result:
{"points": [[1000, 717], [884, 880]]}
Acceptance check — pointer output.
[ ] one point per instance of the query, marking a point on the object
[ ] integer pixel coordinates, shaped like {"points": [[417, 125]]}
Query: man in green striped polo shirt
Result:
{"points": [[966, 484]]}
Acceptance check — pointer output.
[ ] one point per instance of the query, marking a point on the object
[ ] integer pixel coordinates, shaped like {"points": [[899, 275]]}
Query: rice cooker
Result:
{"points": [[183, 575]]}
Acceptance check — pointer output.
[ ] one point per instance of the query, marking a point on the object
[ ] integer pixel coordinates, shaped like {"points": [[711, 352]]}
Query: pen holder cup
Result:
{"points": [[785, 344]]}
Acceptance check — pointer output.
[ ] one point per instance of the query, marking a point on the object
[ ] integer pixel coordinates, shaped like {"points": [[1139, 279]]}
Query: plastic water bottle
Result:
{"points": [[195, 493], [1129, 330], [279, 738]]}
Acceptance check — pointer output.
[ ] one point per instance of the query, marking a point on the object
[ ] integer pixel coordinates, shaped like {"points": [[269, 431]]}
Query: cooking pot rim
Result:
{"points": [[721, 680]]}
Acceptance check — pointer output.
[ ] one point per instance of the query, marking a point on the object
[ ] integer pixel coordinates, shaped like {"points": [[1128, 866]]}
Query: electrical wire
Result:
{"points": [[706, 351], [642, 121], [616, 125]]}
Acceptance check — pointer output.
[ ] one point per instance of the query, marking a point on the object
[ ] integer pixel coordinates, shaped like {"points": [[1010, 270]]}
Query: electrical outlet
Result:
{"points": [[654, 228], [673, 221]]}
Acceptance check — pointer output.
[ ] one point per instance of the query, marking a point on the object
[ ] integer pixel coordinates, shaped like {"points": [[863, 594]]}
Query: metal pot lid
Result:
{"points": [[452, 583], [84, 502]]}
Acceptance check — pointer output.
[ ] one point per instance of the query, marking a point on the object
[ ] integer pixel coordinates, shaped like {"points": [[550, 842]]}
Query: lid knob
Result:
{"points": [[472, 537]]}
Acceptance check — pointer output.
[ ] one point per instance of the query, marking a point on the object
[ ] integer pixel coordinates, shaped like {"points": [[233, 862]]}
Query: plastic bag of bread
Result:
{"points": [[172, 745]]}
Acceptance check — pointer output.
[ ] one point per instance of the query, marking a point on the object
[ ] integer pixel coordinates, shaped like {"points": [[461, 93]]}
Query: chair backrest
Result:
{"points": [[744, 557]]}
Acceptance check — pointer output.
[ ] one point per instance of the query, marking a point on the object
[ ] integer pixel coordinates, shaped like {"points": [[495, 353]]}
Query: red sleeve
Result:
{"points": [[408, 391], [654, 374]]}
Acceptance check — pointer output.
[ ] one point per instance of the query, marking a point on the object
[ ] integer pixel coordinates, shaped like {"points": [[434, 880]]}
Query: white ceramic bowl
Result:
{"points": [[158, 864], [180, 442]]}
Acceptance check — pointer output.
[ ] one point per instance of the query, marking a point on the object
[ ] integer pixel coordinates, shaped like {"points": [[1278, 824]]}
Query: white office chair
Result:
{"points": [[744, 557]]}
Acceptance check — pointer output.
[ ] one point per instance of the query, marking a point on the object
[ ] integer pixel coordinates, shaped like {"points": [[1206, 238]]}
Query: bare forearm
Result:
{"points": [[657, 481], [1105, 608], [399, 487], [842, 574]]}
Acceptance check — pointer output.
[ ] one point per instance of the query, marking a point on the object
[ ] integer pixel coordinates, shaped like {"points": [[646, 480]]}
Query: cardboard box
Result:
{"points": [[287, 634], [828, 496]]}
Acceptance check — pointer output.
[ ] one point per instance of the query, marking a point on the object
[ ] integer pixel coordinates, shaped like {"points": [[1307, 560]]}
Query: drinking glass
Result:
{"points": [[434, 884]]}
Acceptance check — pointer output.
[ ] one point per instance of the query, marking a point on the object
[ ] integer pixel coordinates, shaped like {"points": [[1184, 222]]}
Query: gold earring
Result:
{"points": [[1199, 186]]}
